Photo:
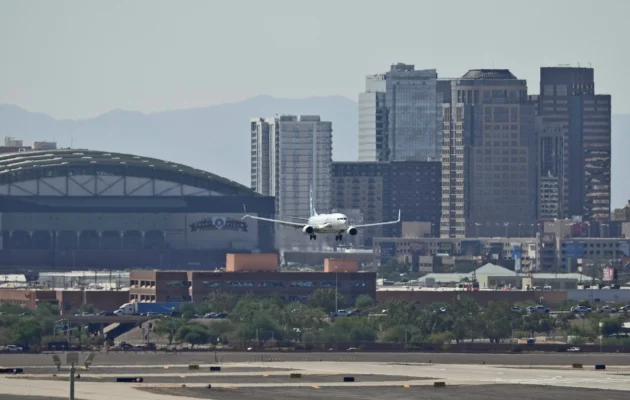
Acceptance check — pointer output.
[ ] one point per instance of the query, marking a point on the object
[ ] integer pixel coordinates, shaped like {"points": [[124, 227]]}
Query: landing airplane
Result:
{"points": [[323, 223]]}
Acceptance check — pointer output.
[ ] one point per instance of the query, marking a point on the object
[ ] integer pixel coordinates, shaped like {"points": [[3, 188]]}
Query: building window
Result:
{"points": [[358, 284], [246, 284], [330, 284], [211, 285], [271, 284], [303, 284], [176, 284]]}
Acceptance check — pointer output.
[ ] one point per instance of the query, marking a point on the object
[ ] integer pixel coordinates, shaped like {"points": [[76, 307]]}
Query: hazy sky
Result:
{"points": [[76, 59]]}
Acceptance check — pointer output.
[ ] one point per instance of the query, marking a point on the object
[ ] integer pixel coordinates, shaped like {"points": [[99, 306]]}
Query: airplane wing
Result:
{"points": [[379, 223], [276, 221]]}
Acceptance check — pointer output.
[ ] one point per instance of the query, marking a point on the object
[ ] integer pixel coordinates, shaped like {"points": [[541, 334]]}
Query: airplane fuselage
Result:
{"points": [[328, 223]]}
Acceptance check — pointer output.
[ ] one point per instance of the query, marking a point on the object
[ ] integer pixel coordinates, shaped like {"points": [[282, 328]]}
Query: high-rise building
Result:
{"points": [[488, 156], [292, 155], [400, 115], [379, 189], [567, 101], [373, 120], [553, 165]]}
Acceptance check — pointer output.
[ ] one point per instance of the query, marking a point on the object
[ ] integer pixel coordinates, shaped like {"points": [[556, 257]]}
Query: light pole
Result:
{"points": [[72, 359], [507, 224]]}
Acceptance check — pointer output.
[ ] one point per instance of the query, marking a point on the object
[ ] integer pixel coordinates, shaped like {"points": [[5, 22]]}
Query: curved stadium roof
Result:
{"points": [[30, 165]]}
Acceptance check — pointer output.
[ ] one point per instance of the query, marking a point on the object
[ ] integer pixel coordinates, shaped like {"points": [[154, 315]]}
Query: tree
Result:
{"points": [[498, 321], [326, 299], [168, 327], [363, 302], [12, 309], [193, 334], [400, 312], [26, 331], [301, 316], [218, 302], [47, 309], [188, 310]]}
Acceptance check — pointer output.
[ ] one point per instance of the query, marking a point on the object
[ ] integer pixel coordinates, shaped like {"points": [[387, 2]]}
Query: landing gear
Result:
{"points": [[338, 237], [312, 237]]}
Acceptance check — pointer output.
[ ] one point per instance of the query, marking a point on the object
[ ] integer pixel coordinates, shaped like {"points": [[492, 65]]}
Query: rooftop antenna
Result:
{"points": [[578, 65], [71, 142], [589, 64]]}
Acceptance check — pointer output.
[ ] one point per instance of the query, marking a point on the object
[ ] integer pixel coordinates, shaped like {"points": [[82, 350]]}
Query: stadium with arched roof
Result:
{"points": [[77, 209]]}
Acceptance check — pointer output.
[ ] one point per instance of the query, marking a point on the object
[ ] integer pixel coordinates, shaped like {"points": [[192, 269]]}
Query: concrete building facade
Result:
{"points": [[488, 156], [195, 286], [379, 189], [297, 153]]}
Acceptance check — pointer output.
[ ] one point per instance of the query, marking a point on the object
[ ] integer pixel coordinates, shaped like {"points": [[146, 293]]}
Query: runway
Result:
{"points": [[376, 376]]}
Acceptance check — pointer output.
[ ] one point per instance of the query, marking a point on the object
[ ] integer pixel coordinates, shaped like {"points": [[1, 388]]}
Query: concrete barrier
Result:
{"points": [[129, 380], [439, 384], [348, 378], [578, 366], [296, 376], [600, 366]]}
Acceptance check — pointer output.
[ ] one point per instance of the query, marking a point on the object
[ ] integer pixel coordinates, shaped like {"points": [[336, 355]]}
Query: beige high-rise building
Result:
{"points": [[488, 157]]}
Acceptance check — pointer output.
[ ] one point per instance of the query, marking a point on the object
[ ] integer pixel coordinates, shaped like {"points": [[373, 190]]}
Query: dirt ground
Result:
{"points": [[25, 360]]}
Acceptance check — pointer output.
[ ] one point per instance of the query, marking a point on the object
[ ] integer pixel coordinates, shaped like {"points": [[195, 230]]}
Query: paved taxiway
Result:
{"points": [[404, 379]]}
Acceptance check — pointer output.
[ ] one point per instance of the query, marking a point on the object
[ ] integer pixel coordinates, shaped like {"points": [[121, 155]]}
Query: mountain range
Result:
{"points": [[216, 138]]}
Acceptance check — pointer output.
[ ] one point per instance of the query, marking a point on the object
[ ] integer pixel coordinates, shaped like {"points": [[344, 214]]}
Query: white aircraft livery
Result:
{"points": [[323, 223]]}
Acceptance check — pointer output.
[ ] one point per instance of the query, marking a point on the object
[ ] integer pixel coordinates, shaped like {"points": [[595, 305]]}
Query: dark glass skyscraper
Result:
{"points": [[568, 102]]}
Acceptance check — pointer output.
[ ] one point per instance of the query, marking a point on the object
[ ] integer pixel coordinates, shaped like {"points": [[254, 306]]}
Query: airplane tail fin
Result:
{"points": [[312, 203]]}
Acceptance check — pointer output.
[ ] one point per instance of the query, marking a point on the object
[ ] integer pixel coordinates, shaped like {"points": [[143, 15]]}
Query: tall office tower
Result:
{"points": [[297, 153], [553, 165], [400, 116], [567, 99], [373, 120], [488, 156], [260, 164]]}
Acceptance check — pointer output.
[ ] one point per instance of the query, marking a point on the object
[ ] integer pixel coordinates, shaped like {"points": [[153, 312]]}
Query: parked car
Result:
{"points": [[538, 309], [13, 348], [517, 309], [607, 309], [574, 349], [441, 310], [581, 309], [210, 315]]}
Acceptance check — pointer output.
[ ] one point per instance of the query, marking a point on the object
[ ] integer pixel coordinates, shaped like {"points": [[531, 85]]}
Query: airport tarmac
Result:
{"points": [[485, 392], [373, 380], [161, 359]]}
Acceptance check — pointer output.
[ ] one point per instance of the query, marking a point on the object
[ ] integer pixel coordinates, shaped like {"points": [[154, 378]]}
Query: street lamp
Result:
{"points": [[507, 224], [72, 359]]}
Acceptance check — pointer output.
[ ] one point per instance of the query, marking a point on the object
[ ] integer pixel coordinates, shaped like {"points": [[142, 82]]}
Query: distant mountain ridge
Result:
{"points": [[214, 138], [217, 139]]}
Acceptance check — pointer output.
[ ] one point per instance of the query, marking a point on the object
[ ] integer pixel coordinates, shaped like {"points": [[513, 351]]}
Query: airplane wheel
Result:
{"points": [[340, 237], [314, 237]]}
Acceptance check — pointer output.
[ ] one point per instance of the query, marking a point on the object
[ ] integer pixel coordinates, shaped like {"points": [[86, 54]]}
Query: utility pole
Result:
{"points": [[336, 291]]}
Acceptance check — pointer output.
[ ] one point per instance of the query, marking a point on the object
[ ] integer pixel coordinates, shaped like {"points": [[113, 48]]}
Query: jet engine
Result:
{"points": [[308, 229], [352, 231]]}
